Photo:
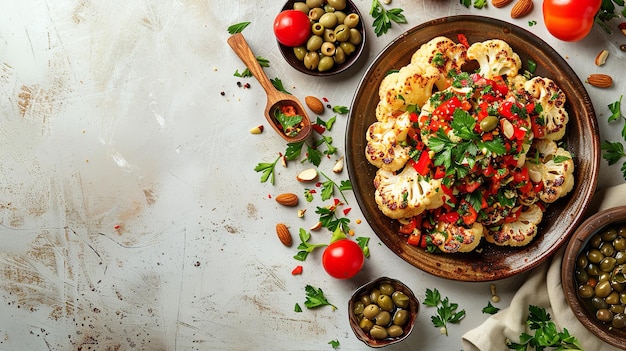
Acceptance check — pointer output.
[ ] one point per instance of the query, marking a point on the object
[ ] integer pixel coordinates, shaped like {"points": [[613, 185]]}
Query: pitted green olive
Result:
{"points": [[301, 6], [316, 13], [607, 249], [318, 29], [394, 331], [342, 32], [311, 60], [328, 20], [339, 57], [300, 52], [328, 49], [337, 4], [400, 317], [326, 63], [378, 332], [400, 299], [355, 37], [385, 302], [370, 311], [383, 318], [314, 43], [352, 20], [347, 47], [329, 35], [489, 123], [366, 324]]}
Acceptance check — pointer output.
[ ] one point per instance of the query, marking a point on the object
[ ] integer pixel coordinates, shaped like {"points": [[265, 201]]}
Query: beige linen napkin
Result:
{"points": [[542, 288]]}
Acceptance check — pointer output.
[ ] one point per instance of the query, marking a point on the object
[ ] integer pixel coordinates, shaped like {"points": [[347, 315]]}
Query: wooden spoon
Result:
{"points": [[275, 98]]}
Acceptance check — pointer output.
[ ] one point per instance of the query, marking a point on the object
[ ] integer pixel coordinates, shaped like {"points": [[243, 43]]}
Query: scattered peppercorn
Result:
{"points": [[222, 93], [622, 47], [239, 84]]}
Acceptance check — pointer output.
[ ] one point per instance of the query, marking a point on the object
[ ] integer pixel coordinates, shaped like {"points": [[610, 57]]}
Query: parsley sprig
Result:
{"points": [[384, 17], [478, 4], [268, 170], [545, 334], [446, 310], [330, 220], [614, 150], [328, 188], [305, 248], [315, 298]]}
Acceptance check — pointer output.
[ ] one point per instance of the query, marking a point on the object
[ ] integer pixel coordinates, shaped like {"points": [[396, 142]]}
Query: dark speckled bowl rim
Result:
{"points": [[582, 138]]}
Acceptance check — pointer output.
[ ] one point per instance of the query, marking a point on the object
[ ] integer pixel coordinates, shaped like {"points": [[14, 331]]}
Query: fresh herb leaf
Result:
{"points": [[288, 122], [328, 188], [297, 308], [446, 310], [328, 125], [329, 219], [315, 298], [614, 150], [342, 110], [278, 84], [246, 72], [334, 344], [479, 4], [268, 170], [363, 242], [294, 150], [237, 27], [383, 17], [545, 335], [490, 309], [304, 247]]}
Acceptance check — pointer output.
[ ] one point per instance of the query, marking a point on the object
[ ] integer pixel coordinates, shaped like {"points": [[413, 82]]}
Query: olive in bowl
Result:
{"points": [[382, 312], [335, 39], [593, 274]]}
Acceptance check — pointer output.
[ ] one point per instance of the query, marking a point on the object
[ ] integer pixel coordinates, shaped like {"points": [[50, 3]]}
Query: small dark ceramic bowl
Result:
{"points": [[290, 56], [579, 241], [364, 336]]}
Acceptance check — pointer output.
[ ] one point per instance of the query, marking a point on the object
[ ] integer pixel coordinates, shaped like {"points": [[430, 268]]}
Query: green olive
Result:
{"points": [[383, 318], [314, 43], [617, 308], [609, 235], [301, 6], [621, 230], [316, 13], [581, 275], [328, 20], [385, 303], [607, 249], [613, 298], [326, 63], [604, 315], [603, 289], [355, 37], [400, 299], [607, 264], [329, 8], [358, 308], [378, 332], [622, 298], [394, 331], [581, 261], [595, 256], [599, 303], [314, 3], [593, 269], [327, 49], [341, 16], [489, 123], [347, 47], [374, 294], [342, 32], [329, 35], [619, 243], [337, 4], [366, 325], [339, 57], [620, 257], [386, 289], [352, 20], [311, 60], [300, 52], [595, 241], [585, 291], [619, 321], [366, 299], [317, 29], [604, 276], [400, 317], [370, 311]]}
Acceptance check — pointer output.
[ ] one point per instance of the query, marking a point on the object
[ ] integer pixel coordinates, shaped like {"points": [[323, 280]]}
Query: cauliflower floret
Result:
{"points": [[451, 238], [520, 232], [443, 54], [552, 99], [411, 85], [555, 167], [384, 139], [495, 58], [406, 194], [517, 82]]}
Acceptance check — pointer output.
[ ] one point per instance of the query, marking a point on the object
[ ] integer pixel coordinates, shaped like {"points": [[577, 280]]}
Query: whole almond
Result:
{"points": [[521, 8], [284, 235], [314, 104], [287, 199], [599, 80], [500, 3]]}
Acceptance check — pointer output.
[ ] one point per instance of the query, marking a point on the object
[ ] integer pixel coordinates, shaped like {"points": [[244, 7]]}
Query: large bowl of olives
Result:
{"points": [[594, 275], [336, 41], [382, 312]]}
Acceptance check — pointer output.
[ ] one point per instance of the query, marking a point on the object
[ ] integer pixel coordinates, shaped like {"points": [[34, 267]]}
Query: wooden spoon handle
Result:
{"points": [[239, 45]]}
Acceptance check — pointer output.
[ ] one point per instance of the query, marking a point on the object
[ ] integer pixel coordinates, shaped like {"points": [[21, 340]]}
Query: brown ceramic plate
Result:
{"points": [[592, 225], [561, 218], [351, 59]]}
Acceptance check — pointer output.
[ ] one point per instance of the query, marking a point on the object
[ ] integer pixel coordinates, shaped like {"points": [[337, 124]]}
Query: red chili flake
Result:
{"points": [[117, 226], [346, 210], [297, 270], [246, 86], [337, 202], [318, 184], [269, 196], [320, 129], [312, 191], [463, 40], [325, 99]]}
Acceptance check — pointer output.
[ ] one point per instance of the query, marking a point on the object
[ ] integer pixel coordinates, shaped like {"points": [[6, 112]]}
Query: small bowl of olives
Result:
{"points": [[382, 312], [336, 39], [593, 274]]}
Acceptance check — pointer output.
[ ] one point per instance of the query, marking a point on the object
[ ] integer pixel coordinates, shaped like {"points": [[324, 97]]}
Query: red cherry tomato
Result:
{"points": [[292, 27], [570, 20], [343, 259]]}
